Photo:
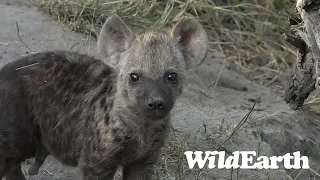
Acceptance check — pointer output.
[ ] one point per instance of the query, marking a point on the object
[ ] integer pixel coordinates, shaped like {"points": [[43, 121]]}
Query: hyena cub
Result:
{"points": [[93, 115]]}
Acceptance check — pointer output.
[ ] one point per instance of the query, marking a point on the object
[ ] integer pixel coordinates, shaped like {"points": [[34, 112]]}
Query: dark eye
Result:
{"points": [[134, 77], [172, 77]]}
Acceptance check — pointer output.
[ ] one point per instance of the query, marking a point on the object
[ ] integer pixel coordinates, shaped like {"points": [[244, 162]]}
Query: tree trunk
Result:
{"points": [[306, 77]]}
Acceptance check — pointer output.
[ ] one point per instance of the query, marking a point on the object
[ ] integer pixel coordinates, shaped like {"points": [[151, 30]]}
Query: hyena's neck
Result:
{"points": [[121, 113]]}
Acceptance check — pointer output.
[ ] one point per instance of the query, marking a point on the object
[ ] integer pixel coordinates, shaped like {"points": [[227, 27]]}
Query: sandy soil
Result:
{"points": [[273, 129]]}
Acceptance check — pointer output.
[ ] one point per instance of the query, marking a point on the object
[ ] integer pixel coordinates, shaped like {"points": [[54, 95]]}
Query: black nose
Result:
{"points": [[155, 103]]}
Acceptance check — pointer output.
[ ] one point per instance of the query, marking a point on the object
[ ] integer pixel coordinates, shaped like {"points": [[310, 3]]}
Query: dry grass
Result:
{"points": [[247, 32]]}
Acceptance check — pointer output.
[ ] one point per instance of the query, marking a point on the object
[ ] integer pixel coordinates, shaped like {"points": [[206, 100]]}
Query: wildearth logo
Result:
{"points": [[247, 160]]}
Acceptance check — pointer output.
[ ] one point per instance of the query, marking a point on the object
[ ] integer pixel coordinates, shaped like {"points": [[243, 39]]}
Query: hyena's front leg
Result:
{"points": [[142, 169], [40, 157], [138, 171], [94, 173], [95, 168]]}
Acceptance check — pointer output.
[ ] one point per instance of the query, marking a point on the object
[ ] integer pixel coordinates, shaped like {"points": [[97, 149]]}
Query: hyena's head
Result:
{"points": [[152, 65]]}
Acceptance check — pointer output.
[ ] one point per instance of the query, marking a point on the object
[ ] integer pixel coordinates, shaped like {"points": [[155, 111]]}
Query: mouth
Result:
{"points": [[156, 114]]}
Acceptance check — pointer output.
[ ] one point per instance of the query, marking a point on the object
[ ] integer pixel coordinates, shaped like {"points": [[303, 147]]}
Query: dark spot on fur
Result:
{"points": [[105, 73], [60, 83], [109, 90], [96, 125], [56, 70], [79, 87], [86, 122], [67, 83], [117, 138], [126, 138], [66, 100], [48, 65], [102, 91], [98, 140], [106, 108], [114, 131], [83, 78], [64, 71], [111, 105], [72, 67], [107, 118], [102, 102], [97, 82]]}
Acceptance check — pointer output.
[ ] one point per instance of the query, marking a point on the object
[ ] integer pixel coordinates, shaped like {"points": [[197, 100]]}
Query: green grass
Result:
{"points": [[247, 32]]}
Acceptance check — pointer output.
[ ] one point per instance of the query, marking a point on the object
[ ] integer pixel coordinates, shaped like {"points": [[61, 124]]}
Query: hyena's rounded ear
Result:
{"points": [[114, 38], [193, 39]]}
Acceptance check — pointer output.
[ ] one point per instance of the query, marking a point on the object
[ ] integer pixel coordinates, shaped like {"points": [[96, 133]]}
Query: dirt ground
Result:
{"points": [[273, 129]]}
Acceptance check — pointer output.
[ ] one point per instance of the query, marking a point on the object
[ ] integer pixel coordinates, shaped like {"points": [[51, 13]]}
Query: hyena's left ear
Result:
{"points": [[193, 39], [114, 38]]}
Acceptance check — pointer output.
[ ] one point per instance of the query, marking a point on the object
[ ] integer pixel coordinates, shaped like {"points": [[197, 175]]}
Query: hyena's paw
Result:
{"points": [[34, 169]]}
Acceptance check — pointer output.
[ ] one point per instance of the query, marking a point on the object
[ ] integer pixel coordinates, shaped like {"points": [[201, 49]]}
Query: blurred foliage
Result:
{"points": [[246, 32]]}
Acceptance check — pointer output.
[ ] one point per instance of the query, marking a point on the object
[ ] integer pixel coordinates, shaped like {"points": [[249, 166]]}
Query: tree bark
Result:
{"points": [[306, 77]]}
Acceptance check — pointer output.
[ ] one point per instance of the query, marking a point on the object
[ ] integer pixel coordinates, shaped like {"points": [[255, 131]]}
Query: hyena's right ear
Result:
{"points": [[114, 38], [193, 39]]}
